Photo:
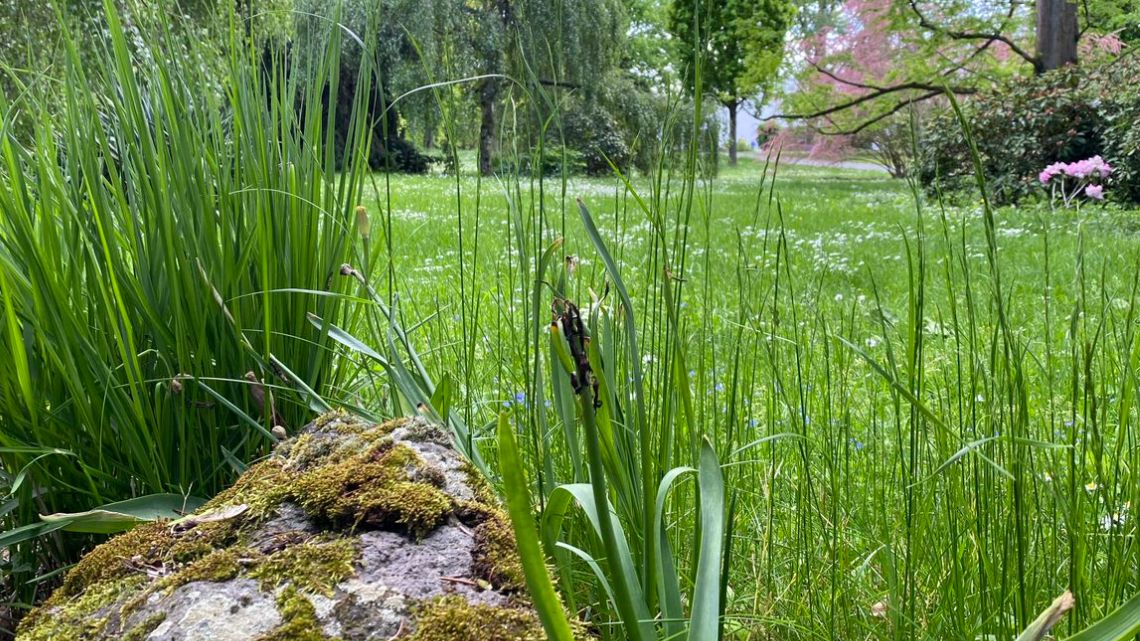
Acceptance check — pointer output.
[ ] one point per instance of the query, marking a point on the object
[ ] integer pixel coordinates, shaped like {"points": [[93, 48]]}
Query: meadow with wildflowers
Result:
{"points": [[925, 414]]}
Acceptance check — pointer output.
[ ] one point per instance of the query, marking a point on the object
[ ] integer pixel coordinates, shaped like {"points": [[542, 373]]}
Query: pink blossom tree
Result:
{"points": [[861, 77]]}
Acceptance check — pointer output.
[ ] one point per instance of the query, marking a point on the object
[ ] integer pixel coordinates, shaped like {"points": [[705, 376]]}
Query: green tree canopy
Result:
{"points": [[740, 44]]}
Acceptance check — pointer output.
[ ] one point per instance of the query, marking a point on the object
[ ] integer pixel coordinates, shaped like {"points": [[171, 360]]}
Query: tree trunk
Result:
{"points": [[1057, 32], [487, 95], [429, 137], [732, 107]]}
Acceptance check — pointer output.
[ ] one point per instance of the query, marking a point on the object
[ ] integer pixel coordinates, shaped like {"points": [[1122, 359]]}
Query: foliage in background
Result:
{"points": [[740, 44], [1063, 116]]}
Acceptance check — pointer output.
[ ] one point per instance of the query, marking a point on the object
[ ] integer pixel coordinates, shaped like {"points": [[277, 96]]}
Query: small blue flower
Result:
{"points": [[520, 397], [857, 444], [753, 423], [719, 387], [506, 404]]}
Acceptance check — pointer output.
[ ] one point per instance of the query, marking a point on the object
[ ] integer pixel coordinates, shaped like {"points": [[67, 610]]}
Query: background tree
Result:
{"points": [[556, 44], [740, 43], [930, 45], [849, 65]]}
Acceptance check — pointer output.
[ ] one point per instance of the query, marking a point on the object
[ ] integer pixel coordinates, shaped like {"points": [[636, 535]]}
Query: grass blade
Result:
{"points": [[516, 486], [706, 620]]}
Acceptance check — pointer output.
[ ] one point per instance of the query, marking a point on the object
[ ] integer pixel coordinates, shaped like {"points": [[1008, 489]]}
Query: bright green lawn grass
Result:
{"points": [[1014, 478]]}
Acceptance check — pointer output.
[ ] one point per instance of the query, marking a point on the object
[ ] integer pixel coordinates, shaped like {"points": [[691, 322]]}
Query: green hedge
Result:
{"points": [[1062, 116]]}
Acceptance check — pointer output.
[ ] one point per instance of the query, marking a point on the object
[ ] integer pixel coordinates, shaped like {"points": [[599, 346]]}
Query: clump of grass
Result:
{"points": [[163, 233]]}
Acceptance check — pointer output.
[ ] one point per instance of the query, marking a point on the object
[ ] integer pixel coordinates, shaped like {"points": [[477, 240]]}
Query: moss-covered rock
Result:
{"points": [[349, 531]]}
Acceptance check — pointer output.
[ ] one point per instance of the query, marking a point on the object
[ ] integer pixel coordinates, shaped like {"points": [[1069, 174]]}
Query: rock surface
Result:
{"points": [[350, 531]]}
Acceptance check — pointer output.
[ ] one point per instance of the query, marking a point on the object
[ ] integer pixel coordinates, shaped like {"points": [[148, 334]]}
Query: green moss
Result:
{"points": [[143, 629], [84, 616], [218, 565], [145, 545], [299, 619], [334, 438], [423, 432], [327, 418], [263, 487], [496, 556], [313, 566], [451, 618], [375, 488], [479, 486]]}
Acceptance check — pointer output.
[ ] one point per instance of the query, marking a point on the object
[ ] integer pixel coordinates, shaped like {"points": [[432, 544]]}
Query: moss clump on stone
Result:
{"points": [[336, 436], [451, 618], [83, 617], [423, 432], [217, 566], [496, 556], [145, 545], [143, 629], [374, 488], [263, 487], [298, 619], [480, 488], [313, 566], [343, 473]]}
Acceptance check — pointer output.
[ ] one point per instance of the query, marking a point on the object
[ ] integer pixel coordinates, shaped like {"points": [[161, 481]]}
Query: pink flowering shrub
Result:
{"points": [[1032, 128], [1070, 180]]}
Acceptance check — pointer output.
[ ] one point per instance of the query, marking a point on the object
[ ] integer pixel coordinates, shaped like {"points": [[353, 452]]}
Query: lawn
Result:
{"points": [[941, 472]]}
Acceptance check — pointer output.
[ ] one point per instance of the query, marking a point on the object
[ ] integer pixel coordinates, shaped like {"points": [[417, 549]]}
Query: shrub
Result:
{"points": [[1061, 116], [593, 132], [1119, 105], [639, 112]]}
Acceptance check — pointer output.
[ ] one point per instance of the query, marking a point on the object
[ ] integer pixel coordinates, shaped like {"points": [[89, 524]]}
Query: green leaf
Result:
{"points": [[124, 515], [668, 584], [1123, 623], [27, 533], [441, 397], [538, 581], [705, 624], [966, 449], [558, 506], [344, 338]]}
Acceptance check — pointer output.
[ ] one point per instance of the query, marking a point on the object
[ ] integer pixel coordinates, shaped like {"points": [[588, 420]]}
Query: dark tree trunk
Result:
{"points": [[429, 137], [1057, 32], [732, 107], [488, 93]]}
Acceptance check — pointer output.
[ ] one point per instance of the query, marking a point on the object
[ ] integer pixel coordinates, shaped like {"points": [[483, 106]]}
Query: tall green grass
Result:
{"points": [[163, 232], [923, 415], [903, 422]]}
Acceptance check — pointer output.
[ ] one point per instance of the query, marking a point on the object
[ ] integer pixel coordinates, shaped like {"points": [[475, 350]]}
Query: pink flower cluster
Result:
{"points": [[1094, 167], [1088, 170]]}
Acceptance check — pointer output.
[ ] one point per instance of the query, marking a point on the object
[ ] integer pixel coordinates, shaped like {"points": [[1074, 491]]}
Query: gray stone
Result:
{"points": [[275, 555], [234, 610]]}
